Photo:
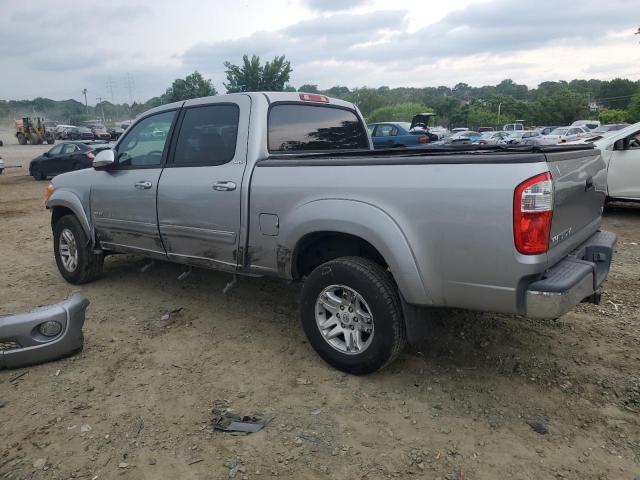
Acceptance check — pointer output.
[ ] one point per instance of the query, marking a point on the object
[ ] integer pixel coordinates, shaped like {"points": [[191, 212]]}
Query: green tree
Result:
{"points": [[634, 108], [192, 86], [252, 76], [308, 88], [402, 112], [613, 116]]}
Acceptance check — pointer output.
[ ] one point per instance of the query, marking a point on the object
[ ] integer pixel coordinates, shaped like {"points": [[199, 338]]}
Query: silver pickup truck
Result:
{"points": [[288, 185]]}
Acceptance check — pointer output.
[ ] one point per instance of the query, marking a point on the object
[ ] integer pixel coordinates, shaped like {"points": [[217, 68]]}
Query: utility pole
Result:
{"points": [[100, 100], [499, 107], [130, 85], [86, 106], [110, 85]]}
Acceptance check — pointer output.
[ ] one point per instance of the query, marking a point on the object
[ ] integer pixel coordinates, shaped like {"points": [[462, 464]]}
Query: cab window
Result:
{"points": [[145, 142]]}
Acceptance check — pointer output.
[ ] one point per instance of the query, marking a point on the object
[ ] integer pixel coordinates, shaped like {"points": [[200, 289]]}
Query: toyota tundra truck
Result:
{"points": [[288, 185]]}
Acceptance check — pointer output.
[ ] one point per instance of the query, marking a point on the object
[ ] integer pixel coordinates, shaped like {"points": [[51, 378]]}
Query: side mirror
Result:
{"points": [[104, 159], [619, 145]]}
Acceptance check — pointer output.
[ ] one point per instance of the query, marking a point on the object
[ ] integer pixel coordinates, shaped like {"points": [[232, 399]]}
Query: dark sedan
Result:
{"points": [[64, 157], [79, 133], [396, 134], [115, 132]]}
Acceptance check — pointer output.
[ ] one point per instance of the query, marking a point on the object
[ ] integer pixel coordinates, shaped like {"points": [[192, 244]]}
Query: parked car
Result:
{"points": [[273, 184], [100, 133], [564, 135], [465, 136], [395, 134], [589, 124], [546, 130], [531, 137], [621, 152], [514, 127], [78, 133], [115, 132], [64, 157], [58, 131], [611, 127], [493, 138], [1, 165], [485, 129]]}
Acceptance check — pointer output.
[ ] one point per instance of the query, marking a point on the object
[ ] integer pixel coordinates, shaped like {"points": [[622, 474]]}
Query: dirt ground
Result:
{"points": [[136, 403]]}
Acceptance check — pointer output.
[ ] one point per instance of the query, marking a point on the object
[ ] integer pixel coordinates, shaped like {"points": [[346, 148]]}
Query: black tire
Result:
{"points": [[38, 175], [89, 265], [376, 286], [22, 139], [51, 141]]}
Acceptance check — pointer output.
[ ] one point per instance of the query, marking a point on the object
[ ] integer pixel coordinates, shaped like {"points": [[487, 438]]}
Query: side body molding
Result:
{"points": [[67, 199], [364, 220]]}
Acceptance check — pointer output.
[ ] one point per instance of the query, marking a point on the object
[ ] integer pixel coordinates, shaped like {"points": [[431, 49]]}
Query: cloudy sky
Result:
{"points": [[117, 49]]}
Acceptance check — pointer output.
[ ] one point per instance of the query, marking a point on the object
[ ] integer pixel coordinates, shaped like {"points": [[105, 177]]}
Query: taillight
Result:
{"points": [[532, 213], [313, 97], [423, 140], [90, 155]]}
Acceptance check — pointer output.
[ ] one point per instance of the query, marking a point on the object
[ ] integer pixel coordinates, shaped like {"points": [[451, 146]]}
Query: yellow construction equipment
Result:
{"points": [[32, 130]]}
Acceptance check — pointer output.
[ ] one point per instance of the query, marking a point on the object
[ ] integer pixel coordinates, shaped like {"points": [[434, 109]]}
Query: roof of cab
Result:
{"points": [[272, 97]]}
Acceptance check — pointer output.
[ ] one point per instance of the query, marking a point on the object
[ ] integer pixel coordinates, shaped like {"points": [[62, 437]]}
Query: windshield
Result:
{"points": [[405, 125], [559, 131]]}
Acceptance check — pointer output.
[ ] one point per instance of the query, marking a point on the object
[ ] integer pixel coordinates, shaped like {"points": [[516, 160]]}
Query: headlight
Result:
{"points": [[50, 328]]}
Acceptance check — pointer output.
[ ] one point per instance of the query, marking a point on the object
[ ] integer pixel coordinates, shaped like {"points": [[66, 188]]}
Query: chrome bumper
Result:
{"points": [[573, 279], [22, 344]]}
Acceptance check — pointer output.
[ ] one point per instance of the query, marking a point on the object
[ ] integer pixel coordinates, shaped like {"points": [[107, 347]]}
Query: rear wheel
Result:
{"points": [[352, 315], [74, 256]]}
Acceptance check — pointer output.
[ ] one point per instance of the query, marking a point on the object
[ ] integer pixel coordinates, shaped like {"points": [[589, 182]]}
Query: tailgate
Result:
{"points": [[579, 187]]}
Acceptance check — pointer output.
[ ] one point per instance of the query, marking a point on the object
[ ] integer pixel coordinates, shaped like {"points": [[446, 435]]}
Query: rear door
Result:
{"points": [[384, 136], [199, 193], [123, 198]]}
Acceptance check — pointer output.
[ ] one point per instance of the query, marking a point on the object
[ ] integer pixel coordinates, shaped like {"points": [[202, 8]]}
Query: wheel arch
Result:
{"points": [[365, 226], [63, 203]]}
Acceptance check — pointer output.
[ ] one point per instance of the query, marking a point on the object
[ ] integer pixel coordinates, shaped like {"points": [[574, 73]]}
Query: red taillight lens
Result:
{"points": [[423, 140], [532, 214], [90, 155], [313, 97]]}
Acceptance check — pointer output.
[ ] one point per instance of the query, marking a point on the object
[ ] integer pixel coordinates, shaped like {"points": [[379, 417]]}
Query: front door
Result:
{"points": [[199, 193], [123, 198], [624, 169]]}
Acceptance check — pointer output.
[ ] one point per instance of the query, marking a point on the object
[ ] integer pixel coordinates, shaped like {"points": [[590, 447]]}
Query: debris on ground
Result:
{"points": [[168, 317], [228, 421], [538, 426]]}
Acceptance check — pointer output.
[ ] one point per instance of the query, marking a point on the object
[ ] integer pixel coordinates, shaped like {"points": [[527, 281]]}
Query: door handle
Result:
{"points": [[224, 186], [144, 185]]}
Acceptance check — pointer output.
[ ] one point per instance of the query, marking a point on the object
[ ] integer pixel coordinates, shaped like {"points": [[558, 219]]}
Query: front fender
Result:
{"points": [[67, 199], [363, 220]]}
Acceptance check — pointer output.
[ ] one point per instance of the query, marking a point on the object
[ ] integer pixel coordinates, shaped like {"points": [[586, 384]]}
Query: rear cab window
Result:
{"points": [[312, 128]]}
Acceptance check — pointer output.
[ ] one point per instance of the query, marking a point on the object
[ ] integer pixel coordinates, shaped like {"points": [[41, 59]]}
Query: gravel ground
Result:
{"points": [[484, 397]]}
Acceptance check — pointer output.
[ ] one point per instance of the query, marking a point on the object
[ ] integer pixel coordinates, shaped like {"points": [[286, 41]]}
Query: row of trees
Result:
{"points": [[551, 103]]}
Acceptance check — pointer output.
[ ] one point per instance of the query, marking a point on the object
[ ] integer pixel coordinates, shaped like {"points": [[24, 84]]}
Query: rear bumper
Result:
{"points": [[573, 279], [22, 344]]}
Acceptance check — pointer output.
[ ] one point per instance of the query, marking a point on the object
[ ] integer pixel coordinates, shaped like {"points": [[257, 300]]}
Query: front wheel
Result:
{"points": [[74, 256], [352, 316]]}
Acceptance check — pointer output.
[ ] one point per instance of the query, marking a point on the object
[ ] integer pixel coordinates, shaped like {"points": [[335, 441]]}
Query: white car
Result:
{"points": [[621, 152], [564, 135], [590, 124], [1, 165]]}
